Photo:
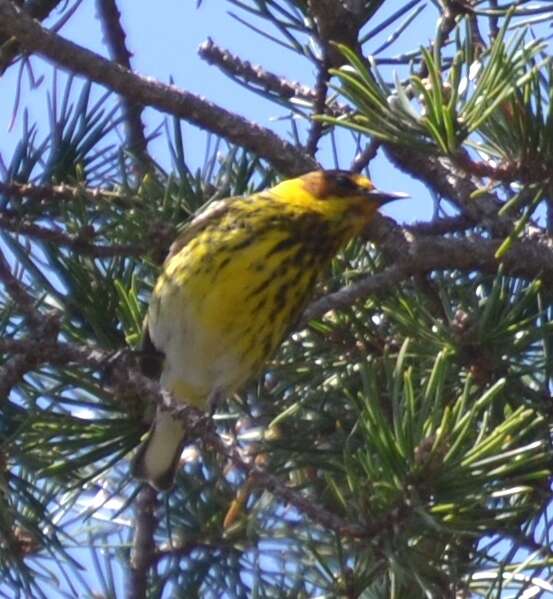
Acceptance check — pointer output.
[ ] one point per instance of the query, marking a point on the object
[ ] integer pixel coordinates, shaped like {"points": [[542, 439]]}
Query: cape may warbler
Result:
{"points": [[234, 283]]}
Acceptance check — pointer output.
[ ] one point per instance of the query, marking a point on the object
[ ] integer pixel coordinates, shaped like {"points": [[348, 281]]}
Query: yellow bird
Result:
{"points": [[233, 285]]}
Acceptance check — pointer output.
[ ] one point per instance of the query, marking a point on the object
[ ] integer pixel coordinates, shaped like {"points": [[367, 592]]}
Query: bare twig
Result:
{"points": [[493, 20], [362, 160], [255, 75], [143, 550], [321, 90], [265, 143], [115, 37], [9, 51]]}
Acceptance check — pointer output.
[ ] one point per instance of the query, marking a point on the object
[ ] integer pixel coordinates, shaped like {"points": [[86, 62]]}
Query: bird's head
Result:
{"points": [[337, 195]]}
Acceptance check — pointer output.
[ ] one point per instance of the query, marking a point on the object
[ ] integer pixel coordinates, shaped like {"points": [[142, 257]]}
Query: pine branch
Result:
{"points": [[282, 155], [529, 259], [30, 353], [65, 192], [44, 329], [80, 243], [306, 504], [118, 368]]}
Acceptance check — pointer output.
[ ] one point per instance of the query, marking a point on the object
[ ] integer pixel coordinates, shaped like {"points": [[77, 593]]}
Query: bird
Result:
{"points": [[235, 282]]}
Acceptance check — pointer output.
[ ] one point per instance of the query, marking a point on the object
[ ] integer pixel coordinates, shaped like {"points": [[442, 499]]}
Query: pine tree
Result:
{"points": [[399, 443]]}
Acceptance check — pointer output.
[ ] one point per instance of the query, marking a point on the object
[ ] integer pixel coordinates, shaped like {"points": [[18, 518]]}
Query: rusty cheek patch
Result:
{"points": [[317, 185], [338, 184]]}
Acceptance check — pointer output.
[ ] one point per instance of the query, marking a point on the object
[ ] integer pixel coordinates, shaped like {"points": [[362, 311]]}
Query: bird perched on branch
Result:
{"points": [[233, 285]]}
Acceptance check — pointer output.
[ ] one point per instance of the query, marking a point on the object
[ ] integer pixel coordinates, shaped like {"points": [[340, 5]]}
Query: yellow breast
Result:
{"points": [[225, 301]]}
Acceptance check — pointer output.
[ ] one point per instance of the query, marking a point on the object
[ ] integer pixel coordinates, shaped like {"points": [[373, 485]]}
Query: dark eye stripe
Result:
{"points": [[344, 182]]}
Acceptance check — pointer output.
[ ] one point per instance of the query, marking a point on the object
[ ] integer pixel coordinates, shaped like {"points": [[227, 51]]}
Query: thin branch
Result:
{"points": [[454, 184], [233, 66], [479, 45], [78, 243], [255, 75], [307, 506], [493, 20], [17, 291], [442, 226], [346, 296], [534, 172], [321, 91], [362, 160], [115, 37], [9, 48], [64, 192], [261, 141], [446, 24], [447, 21], [304, 503], [527, 259], [143, 550], [13, 370], [122, 372], [337, 22]]}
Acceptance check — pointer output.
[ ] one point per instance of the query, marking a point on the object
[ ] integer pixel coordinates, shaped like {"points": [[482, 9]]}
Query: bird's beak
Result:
{"points": [[383, 197]]}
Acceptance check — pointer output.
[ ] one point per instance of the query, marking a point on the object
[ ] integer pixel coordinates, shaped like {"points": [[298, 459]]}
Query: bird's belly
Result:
{"points": [[197, 360]]}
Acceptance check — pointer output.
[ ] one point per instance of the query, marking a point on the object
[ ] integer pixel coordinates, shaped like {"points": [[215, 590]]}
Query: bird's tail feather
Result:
{"points": [[157, 458]]}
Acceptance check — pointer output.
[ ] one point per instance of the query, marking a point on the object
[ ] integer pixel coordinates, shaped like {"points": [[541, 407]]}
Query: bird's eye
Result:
{"points": [[345, 183]]}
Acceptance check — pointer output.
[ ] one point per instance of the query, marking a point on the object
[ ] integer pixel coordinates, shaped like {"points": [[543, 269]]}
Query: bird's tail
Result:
{"points": [[157, 458]]}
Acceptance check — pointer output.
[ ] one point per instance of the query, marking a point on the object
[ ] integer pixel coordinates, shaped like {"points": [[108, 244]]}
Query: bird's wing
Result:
{"points": [[214, 211], [151, 359]]}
